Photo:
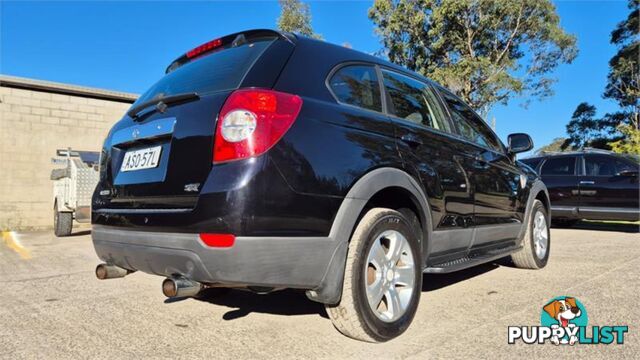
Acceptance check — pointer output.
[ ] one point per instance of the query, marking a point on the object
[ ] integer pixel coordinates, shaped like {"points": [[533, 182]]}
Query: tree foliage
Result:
{"points": [[487, 51], [583, 127], [629, 142], [295, 16], [616, 129], [623, 81], [554, 146]]}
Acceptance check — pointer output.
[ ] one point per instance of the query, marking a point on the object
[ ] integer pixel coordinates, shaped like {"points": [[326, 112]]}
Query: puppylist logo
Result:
{"points": [[564, 321]]}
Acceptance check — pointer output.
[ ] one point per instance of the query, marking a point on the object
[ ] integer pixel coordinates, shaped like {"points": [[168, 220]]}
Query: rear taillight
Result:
{"points": [[252, 121]]}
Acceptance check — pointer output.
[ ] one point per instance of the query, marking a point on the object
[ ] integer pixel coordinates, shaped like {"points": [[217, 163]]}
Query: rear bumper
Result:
{"points": [[294, 262]]}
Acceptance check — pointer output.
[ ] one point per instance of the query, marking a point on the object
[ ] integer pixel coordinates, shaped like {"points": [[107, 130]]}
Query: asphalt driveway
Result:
{"points": [[51, 306]]}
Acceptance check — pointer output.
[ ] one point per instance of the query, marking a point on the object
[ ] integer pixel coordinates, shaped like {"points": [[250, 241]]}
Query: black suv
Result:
{"points": [[590, 184], [263, 160]]}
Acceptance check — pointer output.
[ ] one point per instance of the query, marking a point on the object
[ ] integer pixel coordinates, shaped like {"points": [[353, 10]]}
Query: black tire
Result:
{"points": [[353, 316], [526, 257], [62, 223]]}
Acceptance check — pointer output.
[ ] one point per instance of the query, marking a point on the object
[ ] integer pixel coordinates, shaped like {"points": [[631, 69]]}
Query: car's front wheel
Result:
{"points": [[382, 280], [537, 240]]}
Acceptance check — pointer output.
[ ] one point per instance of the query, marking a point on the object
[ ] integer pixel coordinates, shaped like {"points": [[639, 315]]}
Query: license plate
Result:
{"points": [[141, 159]]}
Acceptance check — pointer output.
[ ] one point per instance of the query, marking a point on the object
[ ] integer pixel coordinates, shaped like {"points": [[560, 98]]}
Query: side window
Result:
{"points": [[599, 166], [602, 165], [625, 166], [414, 101], [470, 125], [357, 85], [533, 163], [559, 166]]}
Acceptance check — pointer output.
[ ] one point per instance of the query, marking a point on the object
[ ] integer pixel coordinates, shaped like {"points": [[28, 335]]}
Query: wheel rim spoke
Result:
{"points": [[393, 303], [375, 292], [377, 255], [395, 246], [405, 276]]}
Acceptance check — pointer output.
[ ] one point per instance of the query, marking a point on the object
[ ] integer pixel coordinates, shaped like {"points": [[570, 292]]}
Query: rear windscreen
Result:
{"points": [[221, 70]]}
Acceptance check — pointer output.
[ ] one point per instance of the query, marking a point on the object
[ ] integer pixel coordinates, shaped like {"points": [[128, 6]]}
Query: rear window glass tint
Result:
{"points": [[559, 166], [357, 85], [220, 70]]}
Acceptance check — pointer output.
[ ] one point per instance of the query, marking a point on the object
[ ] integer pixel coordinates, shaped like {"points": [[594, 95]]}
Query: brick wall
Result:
{"points": [[33, 124]]}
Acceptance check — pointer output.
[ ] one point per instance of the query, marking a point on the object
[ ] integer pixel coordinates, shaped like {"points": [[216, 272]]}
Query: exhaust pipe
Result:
{"points": [[106, 271], [177, 286]]}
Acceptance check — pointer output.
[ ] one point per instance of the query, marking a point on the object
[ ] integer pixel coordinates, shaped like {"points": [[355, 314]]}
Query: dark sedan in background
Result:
{"points": [[590, 184]]}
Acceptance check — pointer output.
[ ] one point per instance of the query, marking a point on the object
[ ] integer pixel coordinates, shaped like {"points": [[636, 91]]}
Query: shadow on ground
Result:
{"points": [[295, 302], [80, 233], [432, 282], [285, 302]]}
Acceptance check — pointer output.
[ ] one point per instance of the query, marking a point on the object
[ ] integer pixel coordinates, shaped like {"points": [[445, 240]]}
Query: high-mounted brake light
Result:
{"points": [[218, 240], [252, 121], [208, 46]]}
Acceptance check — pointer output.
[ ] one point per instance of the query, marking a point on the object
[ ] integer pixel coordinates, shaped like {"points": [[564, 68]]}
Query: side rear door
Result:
{"points": [[608, 188], [426, 145], [498, 192], [559, 173]]}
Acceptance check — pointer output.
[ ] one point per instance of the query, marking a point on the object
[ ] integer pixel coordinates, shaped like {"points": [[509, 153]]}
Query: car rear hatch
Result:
{"points": [[160, 154]]}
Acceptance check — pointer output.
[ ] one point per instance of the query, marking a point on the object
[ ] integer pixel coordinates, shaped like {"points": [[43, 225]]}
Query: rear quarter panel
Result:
{"points": [[330, 145]]}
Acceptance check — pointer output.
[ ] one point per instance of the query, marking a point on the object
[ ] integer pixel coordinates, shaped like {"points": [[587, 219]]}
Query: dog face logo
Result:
{"points": [[563, 310], [563, 321]]}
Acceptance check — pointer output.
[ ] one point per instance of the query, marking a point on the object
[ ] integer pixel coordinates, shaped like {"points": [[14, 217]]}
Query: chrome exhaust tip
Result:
{"points": [[106, 271], [177, 286]]}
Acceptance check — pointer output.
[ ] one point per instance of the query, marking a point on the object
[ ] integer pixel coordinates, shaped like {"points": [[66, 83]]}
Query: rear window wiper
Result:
{"points": [[162, 103]]}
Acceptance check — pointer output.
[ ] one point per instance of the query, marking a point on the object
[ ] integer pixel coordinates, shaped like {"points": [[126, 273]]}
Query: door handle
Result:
{"points": [[411, 139], [587, 182]]}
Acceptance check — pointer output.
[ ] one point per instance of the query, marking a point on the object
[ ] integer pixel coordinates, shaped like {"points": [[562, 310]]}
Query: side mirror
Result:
{"points": [[519, 142], [628, 173]]}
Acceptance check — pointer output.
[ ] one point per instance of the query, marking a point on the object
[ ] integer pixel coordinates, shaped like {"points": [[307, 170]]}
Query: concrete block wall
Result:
{"points": [[33, 124]]}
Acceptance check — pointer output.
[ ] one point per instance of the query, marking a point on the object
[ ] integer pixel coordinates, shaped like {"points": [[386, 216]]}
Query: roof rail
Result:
{"points": [[545, 152], [603, 151]]}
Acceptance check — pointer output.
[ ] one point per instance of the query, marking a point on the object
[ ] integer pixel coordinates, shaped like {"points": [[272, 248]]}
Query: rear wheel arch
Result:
{"points": [[382, 187], [402, 200]]}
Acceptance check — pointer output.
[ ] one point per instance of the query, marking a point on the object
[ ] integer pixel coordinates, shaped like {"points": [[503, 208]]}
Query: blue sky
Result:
{"points": [[126, 46]]}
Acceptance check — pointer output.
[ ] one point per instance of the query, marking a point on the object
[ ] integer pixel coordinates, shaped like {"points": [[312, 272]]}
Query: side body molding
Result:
{"points": [[330, 289]]}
